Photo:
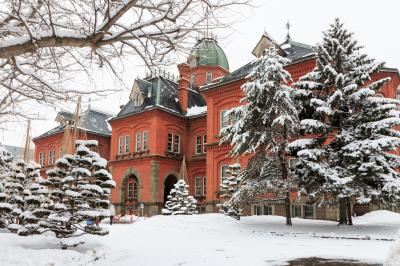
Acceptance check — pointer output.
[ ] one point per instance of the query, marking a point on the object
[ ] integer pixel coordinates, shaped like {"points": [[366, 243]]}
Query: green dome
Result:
{"points": [[208, 52]]}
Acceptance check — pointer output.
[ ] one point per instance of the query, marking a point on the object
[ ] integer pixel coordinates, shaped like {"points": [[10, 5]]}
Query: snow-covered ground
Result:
{"points": [[213, 239]]}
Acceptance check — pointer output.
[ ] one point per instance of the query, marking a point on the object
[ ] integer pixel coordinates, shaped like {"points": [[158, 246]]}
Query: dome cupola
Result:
{"points": [[208, 52]]}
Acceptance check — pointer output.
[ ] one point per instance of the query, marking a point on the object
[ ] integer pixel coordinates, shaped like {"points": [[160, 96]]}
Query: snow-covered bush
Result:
{"points": [[179, 201], [79, 189]]}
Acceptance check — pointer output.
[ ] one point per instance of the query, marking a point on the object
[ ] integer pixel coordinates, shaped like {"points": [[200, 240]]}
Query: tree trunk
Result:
{"points": [[287, 209], [349, 218], [342, 211]]}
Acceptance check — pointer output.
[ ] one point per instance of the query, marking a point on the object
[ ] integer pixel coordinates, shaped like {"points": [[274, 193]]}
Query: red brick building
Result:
{"points": [[165, 121]]}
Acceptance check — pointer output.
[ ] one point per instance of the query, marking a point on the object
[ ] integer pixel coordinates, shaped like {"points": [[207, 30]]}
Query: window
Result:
{"points": [[132, 189], [121, 141], [138, 141], [262, 210], [170, 142], [200, 186], [51, 157], [257, 210], [135, 190], [127, 144], [224, 119], [42, 158], [204, 186], [208, 77], [198, 144], [177, 144], [145, 140], [124, 143], [308, 211], [137, 100], [174, 143], [201, 141], [296, 211], [224, 172], [61, 152], [192, 80]]}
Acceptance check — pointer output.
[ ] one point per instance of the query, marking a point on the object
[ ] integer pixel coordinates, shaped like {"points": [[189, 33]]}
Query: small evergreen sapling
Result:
{"points": [[229, 186], [179, 201]]}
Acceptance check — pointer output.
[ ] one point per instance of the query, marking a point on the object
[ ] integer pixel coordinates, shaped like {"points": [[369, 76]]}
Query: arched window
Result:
{"points": [[131, 189]]}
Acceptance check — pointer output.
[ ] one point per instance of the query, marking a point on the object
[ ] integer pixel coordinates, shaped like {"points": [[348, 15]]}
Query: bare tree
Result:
{"points": [[45, 42]]}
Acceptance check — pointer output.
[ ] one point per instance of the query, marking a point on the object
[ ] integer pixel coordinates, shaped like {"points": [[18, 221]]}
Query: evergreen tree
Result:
{"points": [[24, 197], [264, 123], [351, 128], [6, 159], [79, 189], [229, 186], [179, 201]]}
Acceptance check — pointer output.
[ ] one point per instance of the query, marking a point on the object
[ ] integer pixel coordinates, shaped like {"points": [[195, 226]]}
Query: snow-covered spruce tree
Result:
{"points": [[25, 198], [179, 201], [351, 128], [6, 159], [265, 122], [229, 186], [79, 187]]}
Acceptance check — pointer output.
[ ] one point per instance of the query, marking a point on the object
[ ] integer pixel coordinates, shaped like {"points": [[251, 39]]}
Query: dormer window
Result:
{"points": [[136, 95], [208, 77]]}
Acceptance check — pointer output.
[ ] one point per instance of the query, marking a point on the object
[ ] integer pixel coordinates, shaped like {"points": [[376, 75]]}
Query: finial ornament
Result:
{"points": [[288, 25]]}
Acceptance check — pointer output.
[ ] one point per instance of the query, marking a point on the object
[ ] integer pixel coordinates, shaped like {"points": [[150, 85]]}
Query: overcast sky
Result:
{"points": [[376, 26]]}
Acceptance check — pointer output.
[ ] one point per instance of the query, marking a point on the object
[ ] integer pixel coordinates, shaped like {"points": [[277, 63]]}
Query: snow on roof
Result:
{"points": [[196, 110]]}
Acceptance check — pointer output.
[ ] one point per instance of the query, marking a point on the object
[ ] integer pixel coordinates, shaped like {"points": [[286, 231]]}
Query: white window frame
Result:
{"points": [[204, 186], [121, 144], [51, 157], [42, 158], [145, 141], [204, 143], [199, 145], [178, 145], [208, 77], [170, 143], [223, 122], [198, 186], [138, 141], [127, 144], [222, 171]]}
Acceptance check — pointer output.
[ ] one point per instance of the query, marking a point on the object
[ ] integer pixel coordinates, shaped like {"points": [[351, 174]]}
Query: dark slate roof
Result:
{"points": [[296, 52], [195, 99], [91, 120], [164, 95]]}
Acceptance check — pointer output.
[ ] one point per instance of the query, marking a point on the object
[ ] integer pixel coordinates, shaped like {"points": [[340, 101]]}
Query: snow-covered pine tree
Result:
{"points": [[229, 186], [79, 188], [351, 127], [6, 159], [179, 201], [25, 198], [265, 122]]}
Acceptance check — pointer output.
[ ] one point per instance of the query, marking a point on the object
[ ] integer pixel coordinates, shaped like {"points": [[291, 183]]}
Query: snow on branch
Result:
{"points": [[44, 43]]}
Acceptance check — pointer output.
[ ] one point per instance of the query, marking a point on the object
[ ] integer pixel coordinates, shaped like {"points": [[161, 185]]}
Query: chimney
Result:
{"points": [[183, 85]]}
